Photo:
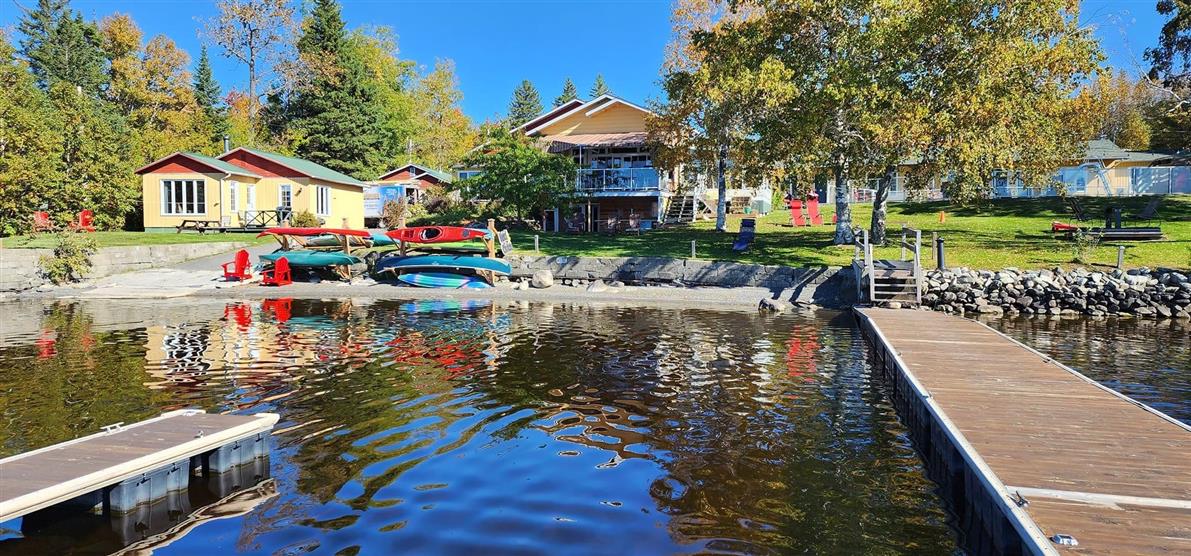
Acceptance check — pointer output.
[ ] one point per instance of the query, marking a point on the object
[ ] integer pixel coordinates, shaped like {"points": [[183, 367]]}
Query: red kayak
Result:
{"points": [[437, 234], [309, 232]]}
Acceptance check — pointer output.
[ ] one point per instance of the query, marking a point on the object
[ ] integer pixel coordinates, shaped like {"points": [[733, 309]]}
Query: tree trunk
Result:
{"points": [[880, 205], [843, 211], [721, 204]]}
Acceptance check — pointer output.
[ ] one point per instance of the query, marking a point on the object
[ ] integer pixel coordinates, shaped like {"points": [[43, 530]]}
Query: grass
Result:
{"points": [[114, 239], [997, 234]]}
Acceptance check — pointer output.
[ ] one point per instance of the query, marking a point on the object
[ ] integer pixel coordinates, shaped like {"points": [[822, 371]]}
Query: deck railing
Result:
{"points": [[915, 249], [862, 263], [591, 180]]}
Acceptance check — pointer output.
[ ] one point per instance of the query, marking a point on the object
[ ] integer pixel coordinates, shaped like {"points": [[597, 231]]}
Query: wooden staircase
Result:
{"points": [[881, 281], [685, 207]]}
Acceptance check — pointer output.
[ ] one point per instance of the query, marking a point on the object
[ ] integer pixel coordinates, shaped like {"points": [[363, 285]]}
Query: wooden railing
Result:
{"points": [[862, 263], [915, 248]]}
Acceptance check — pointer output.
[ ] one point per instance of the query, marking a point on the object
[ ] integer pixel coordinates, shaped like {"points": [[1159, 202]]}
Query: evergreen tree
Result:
{"points": [[599, 88], [61, 46], [207, 94], [568, 93], [526, 104], [339, 122]]}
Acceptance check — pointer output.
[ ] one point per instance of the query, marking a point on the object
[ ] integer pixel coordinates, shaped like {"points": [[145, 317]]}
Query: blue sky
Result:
{"points": [[496, 44]]}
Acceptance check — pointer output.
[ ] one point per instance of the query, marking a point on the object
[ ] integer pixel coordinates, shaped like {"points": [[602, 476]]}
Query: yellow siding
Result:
{"points": [[617, 119], [347, 202]]}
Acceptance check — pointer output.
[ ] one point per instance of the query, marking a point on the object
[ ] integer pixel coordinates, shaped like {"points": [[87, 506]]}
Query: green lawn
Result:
{"points": [[113, 239], [998, 234]]}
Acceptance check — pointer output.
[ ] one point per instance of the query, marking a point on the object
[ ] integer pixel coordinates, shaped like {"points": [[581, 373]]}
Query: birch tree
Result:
{"points": [[252, 32]]}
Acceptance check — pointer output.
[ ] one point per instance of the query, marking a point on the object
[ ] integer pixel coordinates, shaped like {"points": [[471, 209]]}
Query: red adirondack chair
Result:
{"points": [[42, 222], [84, 223], [239, 266], [796, 212], [812, 210], [279, 275]]}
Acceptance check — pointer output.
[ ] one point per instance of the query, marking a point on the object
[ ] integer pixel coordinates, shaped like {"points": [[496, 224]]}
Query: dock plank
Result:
{"points": [[1044, 428], [43, 477]]}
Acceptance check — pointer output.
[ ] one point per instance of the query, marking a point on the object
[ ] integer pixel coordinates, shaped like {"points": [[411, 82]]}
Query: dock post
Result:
{"points": [[1121, 256], [693, 249], [940, 254], [535, 244]]}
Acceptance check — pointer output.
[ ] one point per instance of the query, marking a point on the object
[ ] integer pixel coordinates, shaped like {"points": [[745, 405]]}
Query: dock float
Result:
{"points": [[124, 467], [1034, 457]]}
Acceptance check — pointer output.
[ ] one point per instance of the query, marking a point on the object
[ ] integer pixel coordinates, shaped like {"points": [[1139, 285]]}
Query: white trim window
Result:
{"points": [[250, 198], [285, 196], [233, 194], [322, 197], [183, 197]]}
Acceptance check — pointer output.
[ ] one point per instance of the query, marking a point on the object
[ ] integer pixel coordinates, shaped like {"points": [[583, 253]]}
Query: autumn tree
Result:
{"points": [[97, 173], [599, 88], [444, 132], [568, 93], [1170, 70], [30, 146], [525, 105], [253, 32]]}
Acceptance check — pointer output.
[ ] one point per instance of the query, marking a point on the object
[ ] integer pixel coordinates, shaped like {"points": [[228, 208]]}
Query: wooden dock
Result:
{"points": [[1043, 455], [63, 472]]}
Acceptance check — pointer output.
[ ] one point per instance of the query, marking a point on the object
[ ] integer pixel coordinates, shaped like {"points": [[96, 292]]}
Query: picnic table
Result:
{"points": [[201, 226]]}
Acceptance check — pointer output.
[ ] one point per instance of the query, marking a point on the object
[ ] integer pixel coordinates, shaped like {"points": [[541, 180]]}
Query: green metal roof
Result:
{"points": [[317, 171], [221, 165]]}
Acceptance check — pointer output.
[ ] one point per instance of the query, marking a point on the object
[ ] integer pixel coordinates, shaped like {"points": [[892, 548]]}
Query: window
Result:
{"points": [[233, 203], [285, 197], [465, 174], [322, 200], [250, 198], [183, 197]]}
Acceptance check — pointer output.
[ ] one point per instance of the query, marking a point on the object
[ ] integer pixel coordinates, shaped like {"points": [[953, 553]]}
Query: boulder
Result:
{"points": [[542, 279], [597, 287], [775, 305]]}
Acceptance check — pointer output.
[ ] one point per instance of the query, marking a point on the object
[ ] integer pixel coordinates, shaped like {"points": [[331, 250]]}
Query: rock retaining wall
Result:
{"points": [[20, 270], [828, 286], [1161, 293]]}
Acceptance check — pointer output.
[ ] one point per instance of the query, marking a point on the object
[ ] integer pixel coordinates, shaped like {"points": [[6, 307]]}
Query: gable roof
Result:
{"points": [[439, 175], [304, 167], [588, 108], [212, 163], [551, 114]]}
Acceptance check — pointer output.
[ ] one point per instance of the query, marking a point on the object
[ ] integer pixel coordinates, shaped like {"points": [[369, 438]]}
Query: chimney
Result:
{"points": [[227, 143]]}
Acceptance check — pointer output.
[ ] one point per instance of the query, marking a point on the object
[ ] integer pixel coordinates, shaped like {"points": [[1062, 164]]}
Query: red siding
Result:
{"points": [[179, 164], [404, 176], [260, 166]]}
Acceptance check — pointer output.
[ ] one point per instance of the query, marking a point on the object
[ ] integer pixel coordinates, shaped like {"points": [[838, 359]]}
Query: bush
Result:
{"points": [[71, 260], [394, 212], [303, 219], [1083, 244]]}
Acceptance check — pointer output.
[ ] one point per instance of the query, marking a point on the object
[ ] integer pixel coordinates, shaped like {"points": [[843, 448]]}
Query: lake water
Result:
{"points": [[472, 427]]}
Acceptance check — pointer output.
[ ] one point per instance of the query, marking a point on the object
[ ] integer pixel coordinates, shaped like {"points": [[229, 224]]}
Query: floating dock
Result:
{"points": [[1034, 457], [125, 467]]}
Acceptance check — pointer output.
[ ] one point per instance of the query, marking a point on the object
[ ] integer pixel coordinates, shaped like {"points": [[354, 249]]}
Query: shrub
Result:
{"points": [[1083, 244], [303, 219], [71, 260], [394, 213]]}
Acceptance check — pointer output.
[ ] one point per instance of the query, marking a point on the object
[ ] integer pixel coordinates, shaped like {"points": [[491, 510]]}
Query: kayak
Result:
{"points": [[309, 232], [304, 258], [442, 280], [375, 239], [438, 262], [437, 234]]}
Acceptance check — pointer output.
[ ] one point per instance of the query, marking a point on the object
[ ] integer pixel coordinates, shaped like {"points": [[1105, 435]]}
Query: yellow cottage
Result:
{"points": [[246, 188]]}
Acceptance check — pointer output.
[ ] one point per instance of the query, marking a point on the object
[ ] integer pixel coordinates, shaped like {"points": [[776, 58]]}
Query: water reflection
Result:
{"points": [[436, 426], [1148, 360]]}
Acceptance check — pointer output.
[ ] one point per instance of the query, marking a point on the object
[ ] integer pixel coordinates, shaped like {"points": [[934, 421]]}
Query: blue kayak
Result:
{"points": [[443, 280], [305, 258], [441, 262]]}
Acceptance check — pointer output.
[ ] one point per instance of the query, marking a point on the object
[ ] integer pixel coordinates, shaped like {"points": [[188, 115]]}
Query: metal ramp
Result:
{"points": [[881, 281]]}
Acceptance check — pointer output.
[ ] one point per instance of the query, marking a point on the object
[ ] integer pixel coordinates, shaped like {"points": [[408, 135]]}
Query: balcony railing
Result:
{"points": [[590, 180]]}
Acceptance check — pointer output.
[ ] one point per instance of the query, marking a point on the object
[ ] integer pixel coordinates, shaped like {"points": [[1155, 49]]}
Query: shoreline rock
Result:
{"points": [[1142, 292]]}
